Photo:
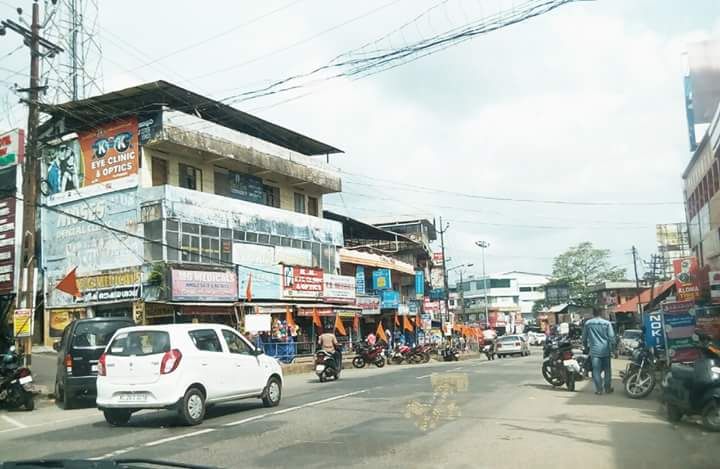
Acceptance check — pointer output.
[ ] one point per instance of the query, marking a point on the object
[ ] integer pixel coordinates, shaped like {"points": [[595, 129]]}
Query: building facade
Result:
{"points": [[672, 244], [531, 287]]}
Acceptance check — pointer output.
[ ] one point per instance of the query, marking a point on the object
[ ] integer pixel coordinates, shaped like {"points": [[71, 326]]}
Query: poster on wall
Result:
{"points": [[382, 279], [301, 282], [679, 328], [261, 282], [61, 318], [686, 278]]}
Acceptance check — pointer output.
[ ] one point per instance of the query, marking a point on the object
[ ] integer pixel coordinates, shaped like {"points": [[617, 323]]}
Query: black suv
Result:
{"points": [[82, 343]]}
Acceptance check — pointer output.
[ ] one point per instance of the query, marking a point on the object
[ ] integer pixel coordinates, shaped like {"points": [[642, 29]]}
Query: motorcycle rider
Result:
{"points": [[329, 343], [599, 337]]}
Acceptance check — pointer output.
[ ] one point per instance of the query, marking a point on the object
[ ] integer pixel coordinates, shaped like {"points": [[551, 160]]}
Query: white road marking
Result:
{"points": [[249, 419], [13, 422], [424, 376], [179, 437], [114, 453]]}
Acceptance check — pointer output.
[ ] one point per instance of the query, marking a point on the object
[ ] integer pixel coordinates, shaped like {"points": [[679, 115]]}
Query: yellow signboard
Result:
{"points": [[22, 323]]}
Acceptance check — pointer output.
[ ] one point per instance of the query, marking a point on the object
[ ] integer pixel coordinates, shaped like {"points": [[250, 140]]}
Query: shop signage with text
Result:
{"points": [[12, 148], [302, 282], [22, 323], [7, 244], [382, 279], [686, 278], [339, 288], [360, 280], [201, 285], [110, 151], [369, 304]]}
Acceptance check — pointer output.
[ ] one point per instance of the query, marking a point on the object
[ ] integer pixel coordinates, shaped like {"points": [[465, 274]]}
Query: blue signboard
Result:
{"points": [[419, 283], [360, 280], [382, 280], [654, 334], [437, 294], [413, 307], [389, 299]]}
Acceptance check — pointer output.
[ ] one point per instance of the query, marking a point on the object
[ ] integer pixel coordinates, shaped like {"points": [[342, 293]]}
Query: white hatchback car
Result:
{"points": [[183, 367]]}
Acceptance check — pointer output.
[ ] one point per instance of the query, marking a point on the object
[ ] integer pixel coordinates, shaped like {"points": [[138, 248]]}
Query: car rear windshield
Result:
{"points": [[631, 334], [95, 334], [510, 338], [140, 343]]}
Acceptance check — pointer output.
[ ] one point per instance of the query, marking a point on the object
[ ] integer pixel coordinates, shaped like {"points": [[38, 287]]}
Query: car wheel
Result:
{"points": [[273, 392], [192, 407], [117, 417]]}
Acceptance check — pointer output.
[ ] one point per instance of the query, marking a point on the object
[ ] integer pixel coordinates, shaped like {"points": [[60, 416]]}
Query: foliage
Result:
{"points": [[582, 267]]}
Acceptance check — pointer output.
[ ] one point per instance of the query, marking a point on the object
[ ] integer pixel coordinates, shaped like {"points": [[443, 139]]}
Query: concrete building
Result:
{"points": [[672, 243], [532, 289], [165, 222], [503, 300]]}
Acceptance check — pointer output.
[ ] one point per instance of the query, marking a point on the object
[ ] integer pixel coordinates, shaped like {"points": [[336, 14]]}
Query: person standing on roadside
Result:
{"points": [[599, 337]]}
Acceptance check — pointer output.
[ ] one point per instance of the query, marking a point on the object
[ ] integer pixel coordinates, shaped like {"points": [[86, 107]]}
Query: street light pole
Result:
{"points": [[483, 245]]}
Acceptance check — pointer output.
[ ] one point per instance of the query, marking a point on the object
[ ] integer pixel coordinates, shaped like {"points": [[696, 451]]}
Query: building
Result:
{"points": [[672, 244], [531, 287], [614, 298], [165, 222], [503, 300]]}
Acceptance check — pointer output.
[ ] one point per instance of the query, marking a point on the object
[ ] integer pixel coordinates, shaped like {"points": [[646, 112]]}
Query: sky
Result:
{"points": [[583, 104]]}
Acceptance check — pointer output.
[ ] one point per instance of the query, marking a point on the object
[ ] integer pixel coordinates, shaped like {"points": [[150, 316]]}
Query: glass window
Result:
{"points": [[316, 255], [275, 240], [500, 283], [299, 202], [251, 237], [172, 225], [172, 242], [95, 334], [190, 177], [238, 235], [159, 171], [271, 196], [264, 238], [285, 242], [313, 206], [306, 245], [235, 343], [226, 233], [190, 247], [191, 228], [296, 243], [210, 231], [140, 343], [206, 340], [154, 248], [526, 289]]}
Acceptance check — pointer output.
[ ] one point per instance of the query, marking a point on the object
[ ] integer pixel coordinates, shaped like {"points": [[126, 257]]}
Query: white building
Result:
{"points": [[531, 288]]}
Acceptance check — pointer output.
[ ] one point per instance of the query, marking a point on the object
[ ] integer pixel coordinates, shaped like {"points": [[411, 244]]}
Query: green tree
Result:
{"points": [[582, 267]]}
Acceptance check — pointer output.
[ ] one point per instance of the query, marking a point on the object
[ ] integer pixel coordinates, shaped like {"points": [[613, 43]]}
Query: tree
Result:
{"points": [[582, 267]]}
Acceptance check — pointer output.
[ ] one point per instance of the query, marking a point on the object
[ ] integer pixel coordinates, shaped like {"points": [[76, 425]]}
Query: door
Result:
{"points": [[208, 361], [245, 374]]}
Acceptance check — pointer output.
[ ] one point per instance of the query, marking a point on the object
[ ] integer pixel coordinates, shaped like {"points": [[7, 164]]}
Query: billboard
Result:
{"points": [[389, 299], [203, 285], [339, 288], [704, 67], [12, 148], [419, 284], [301, 282], [265, 281], [686, 278]]}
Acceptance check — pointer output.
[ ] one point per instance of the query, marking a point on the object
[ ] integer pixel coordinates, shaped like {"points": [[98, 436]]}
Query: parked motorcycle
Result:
{"points": [[560, 365], [450, 353], [639, 375], [426, 350], [695, 389], [326, 366], [15, 382], [369, 354]]}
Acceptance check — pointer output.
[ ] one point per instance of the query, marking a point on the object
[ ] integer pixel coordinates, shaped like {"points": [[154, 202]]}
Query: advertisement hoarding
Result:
{"points": [[339, 288], [22, 323], [419, 284], [686, 278], [265, 282], [679, 328], [370, 305], [302, 282], [202, 285], [360, 280], [382, 279], [8, 245], [389, 299]]}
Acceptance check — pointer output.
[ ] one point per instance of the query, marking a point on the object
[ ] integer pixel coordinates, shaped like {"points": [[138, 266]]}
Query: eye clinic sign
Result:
{"points": [[111, 151]]}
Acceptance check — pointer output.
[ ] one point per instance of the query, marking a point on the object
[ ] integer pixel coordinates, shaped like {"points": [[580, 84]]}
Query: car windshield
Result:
{"points": [[510, 338], [94, 334], [139, 343], [632, 334]]}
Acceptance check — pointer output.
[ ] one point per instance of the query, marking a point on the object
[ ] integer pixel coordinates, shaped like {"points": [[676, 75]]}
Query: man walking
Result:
{"points": [[599, 337]]}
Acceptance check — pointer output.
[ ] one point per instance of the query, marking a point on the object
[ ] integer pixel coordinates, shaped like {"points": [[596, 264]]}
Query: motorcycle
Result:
{"points": [[426, 350], [369, 354], [403, 353], [560, 365], [450, 353], [326, 366], [639, 375], [489, 350], [15, 383], [695, 390]]}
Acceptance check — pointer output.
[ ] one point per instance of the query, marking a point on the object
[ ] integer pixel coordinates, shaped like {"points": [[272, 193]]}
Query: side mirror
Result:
{"points": [[56, 346]]}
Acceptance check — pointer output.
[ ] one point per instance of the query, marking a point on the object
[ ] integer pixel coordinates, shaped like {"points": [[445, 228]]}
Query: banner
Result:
{"points": [[202, 285], [679, 329], [339, 288], [61, 318], [22, 323], [686, 278], [265, 281], [360, 280], [382, 279], [419, 284], [654, 333], [389, 299], [110, 151], [370, 304], [12, 148], [707, 320], [301, 282]]}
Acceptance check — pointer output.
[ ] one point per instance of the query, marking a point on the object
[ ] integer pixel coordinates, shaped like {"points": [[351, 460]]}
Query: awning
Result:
{"points": [[374, 260]]}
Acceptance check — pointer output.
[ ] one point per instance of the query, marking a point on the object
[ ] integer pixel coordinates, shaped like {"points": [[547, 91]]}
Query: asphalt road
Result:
{"points": [[468, 414]]}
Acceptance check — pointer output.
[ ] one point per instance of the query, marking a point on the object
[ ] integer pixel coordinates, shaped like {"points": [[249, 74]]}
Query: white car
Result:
{"points": [[183, 367], [629, 341], [536, 338], [509, 345]]}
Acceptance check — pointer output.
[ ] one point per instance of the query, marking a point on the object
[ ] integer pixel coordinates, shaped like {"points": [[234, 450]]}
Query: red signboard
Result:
{"points": [[7, 244], [302, 282], [678, 306], [430, 306], [686, 279], [110, 151]]}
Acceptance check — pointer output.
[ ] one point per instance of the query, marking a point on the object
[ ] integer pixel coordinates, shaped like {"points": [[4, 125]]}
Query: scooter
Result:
{"points": [[489, 350], [695, 390], [15, 383], [369, 354], [450, 353], [326, 366]]}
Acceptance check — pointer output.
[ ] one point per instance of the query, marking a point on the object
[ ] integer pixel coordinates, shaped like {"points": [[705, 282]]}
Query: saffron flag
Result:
{"points": [[407, 325], [248, 288], [380, 333], [289, 317], [339, 325], [69, 284], [316, 319], [397, 320], [356, 322]]}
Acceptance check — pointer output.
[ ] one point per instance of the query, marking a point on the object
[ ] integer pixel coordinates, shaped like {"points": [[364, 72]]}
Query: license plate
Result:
{"points": [[133, 397], [319, 368], [572, 363], [93, 368], [25, 379]]}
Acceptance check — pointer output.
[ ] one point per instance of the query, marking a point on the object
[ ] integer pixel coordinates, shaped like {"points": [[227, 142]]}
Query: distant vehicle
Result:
{"points": [[629, 341], [535, 338], [183, 367], [509, 345], [82, 343]]}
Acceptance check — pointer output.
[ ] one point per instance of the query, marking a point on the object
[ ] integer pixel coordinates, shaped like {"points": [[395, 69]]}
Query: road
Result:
{"points": [[468, 414]]}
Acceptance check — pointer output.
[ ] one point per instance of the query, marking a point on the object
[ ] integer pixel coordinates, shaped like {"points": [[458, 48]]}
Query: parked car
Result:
{"points": [[512, 345], [535, 338], [629, 341], [82, 343], [183, 367]]}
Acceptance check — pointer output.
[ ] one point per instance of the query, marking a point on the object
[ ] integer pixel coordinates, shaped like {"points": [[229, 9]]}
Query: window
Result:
{"points": [[316, 255], [239, 235], [251, 237], [286, 242], [313, 206], [526, 289], [221, 181], [275, 240], [299, 202], [271, 196], [500, 283], [206, 340], [140, 343], [94, 334], [297, 244], [263, 238], [172, 227], [153, 245], [235, 343], [190, 177], [159, 171]]}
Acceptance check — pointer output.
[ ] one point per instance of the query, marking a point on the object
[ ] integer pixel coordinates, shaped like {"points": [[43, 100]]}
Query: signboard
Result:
{"points": [[245, 187], [12, 148], [707, 320], [7, 244], [389, 299], [419, 284], [265, 282], [438, 258], [370, 305], [149, 125], [382, 279], [258, 323], [61, 318], [22, 323], [714, 281], [360, 280], [437, 294], [202, 285], [677, 306], [654, 333], [679, 328], [339, 288], [437, 279], [110, 151], [686, 278], [430, 306], [301, 282]]}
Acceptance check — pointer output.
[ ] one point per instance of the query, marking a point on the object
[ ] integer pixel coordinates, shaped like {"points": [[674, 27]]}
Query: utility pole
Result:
{"points": [[442, 230], [637, 282], [483, 245], [31, 167]]}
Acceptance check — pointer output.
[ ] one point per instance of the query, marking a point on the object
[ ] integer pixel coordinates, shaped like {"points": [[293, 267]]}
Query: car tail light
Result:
{"points": [[102, 368], [68, 363], [170, 361]]}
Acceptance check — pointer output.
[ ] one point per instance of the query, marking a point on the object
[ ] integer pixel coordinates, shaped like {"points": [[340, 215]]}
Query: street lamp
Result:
{"points": [[483, 245]]}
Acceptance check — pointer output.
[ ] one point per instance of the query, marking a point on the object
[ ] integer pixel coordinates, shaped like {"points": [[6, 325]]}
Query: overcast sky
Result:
{"points": [[583, 104]]}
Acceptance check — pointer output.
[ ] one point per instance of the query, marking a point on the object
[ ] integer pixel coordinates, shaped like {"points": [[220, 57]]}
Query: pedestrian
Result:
{"points": [[599, 337]]}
